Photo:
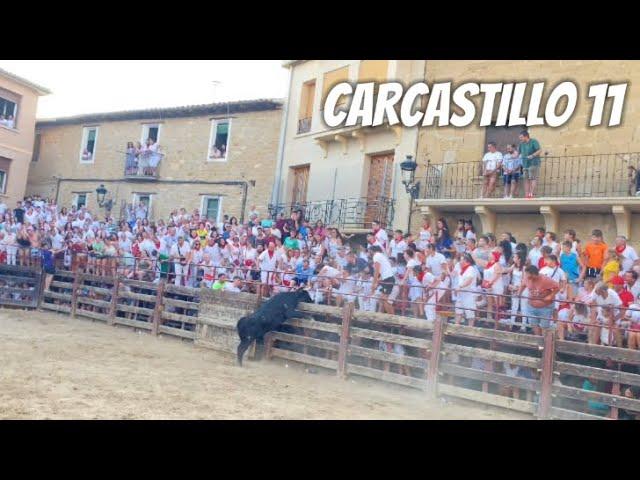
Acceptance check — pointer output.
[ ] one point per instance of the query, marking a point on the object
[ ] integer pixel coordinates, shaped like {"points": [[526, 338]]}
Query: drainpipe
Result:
{"points": [[275, 195], [412, 200]]}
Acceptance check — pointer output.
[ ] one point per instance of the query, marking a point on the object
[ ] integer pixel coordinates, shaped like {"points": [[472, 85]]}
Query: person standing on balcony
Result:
{"points": [[529, 150], [511, 165], [490, 165], [154, 156], [131, 164]]}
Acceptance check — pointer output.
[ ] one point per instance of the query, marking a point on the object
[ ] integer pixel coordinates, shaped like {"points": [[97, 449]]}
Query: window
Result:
{"points": [[88, 147], [5, 168], [8, 108], [211, 208], [152, 131], [3, 181], [219, 142], [147, 200], [373, 71], [306, 106], [502, 136], [331, 79], [36, 147], [80, 200]]}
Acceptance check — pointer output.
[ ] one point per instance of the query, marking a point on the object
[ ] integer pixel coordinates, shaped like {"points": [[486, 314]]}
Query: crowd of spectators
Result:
{"points": [[587, 291], [142, 160]]}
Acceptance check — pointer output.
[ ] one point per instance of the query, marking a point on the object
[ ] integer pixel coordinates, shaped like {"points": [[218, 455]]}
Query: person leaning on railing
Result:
{"points": [[529, 151]]}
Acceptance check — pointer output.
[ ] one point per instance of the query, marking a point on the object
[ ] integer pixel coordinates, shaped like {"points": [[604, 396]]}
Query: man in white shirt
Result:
{"points": [[141, 211], [383, 276], [179, 253], [607, 313], [632, 283], [490, 164], [397, 245], [435, 260], [627, 253], [268, 262], [380, 235]]}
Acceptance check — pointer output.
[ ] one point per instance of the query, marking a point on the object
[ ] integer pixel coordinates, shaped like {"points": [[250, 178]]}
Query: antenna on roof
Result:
{"points": [[216, 84]]}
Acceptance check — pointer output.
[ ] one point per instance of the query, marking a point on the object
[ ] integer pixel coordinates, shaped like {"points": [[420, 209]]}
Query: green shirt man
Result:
{"points": [[529, 151]]}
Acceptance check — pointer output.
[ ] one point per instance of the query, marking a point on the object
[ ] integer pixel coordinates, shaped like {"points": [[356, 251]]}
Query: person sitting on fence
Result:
{"points": [[491, 163]]}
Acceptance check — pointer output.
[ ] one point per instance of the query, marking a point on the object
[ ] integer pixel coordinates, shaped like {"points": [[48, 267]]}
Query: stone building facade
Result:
{"points": [[584, 180], [78, 154], [18, 104]]}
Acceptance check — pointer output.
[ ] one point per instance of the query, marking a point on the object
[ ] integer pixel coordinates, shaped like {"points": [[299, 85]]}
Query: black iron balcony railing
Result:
{"points": [[341, 213], [145, 164], [304, 125], [603, 175]]}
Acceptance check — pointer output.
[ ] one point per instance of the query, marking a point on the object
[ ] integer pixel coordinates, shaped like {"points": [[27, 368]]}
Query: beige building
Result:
{"points": [[18, 103], [344, 176], [584, 180], [217, 158]]}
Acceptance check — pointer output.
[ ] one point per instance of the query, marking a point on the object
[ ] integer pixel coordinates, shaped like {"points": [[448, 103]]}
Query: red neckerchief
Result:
{"points": [[620, 250], [271, 254], [464, 269]]}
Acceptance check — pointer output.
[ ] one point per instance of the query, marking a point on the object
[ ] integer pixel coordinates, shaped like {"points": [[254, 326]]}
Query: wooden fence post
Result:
{"points": [[347, 315], [434, 358], [114, 301], [74, 293], [157, 311], [546, 376]]}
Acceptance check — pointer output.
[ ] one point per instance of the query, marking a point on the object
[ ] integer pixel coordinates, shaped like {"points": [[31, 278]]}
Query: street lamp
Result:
{"points": [[101, 192], [408, 169]]}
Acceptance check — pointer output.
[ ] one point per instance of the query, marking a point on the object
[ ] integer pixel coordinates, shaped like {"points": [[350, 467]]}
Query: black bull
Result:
{"points": [[271, 314]]}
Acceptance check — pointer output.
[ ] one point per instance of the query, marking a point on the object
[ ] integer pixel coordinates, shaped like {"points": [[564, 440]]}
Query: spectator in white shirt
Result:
{"points": [[490, 166], [397, 245], [626, 252]]}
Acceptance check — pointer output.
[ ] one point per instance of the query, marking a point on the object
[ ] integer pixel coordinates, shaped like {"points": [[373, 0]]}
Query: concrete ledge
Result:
{"points": [[521, 205]]}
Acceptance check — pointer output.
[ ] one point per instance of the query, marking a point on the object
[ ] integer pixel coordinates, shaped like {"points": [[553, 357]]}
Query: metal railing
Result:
{"points": [[144, 164], [304, 125], [341, 213], [602, 175]]}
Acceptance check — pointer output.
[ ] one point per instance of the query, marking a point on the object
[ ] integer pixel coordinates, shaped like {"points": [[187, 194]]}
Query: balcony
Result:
{"points": [[583, 184], [304, 125], [606, 175], [344, 213], [143, 166]]}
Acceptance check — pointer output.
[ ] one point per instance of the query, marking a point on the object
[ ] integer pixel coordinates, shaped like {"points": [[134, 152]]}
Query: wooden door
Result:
{"points": [[300, 182], [378, 187], [502, 136]]}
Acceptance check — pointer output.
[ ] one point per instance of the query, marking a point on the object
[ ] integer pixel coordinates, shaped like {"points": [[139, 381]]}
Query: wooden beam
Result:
{"points": [[488, 398], [601, 352], [434, 358], [347, 315], [546, 376]]}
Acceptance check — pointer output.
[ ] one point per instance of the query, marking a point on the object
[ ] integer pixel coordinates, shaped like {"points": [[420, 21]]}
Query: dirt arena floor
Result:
{"points": [[55, 367]]}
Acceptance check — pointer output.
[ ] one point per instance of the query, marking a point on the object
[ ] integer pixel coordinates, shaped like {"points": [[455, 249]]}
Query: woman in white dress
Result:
{"points": [[154, 156], [493, 285]]}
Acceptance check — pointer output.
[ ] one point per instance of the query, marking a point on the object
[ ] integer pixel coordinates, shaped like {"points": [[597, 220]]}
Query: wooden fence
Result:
{"points": [[538, 375], [20, 286]]}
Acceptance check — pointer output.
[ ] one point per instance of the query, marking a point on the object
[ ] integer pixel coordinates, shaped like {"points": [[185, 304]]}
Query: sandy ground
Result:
{"points": [[55, 367]]}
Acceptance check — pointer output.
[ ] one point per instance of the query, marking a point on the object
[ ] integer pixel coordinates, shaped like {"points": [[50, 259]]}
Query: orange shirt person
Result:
{"points": [[595, 253]]}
